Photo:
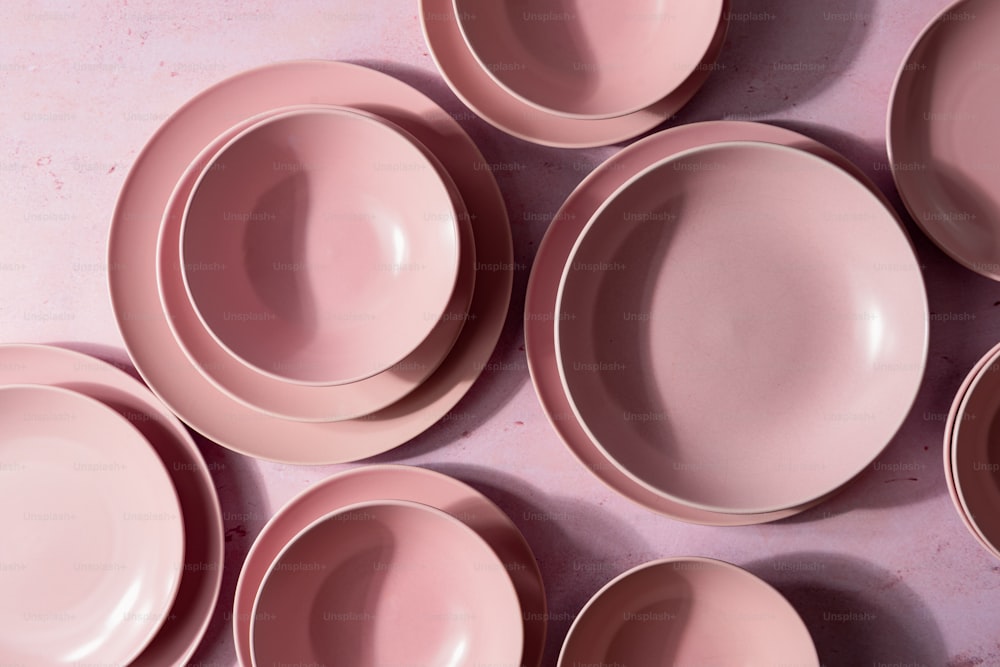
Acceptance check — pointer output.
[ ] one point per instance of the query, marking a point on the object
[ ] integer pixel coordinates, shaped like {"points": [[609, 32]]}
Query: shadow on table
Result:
{"points": [[781, 53], [857, 613], [578, 546]]}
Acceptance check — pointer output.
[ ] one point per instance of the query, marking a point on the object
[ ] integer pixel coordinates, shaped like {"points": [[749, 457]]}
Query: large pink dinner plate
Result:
{"points": [[975, 455], [949, 438], [133, 241], [943, 138], [93, 535], [744, 327], [185, 625], [387, 582], [539, 325], [688, 611], [396, 482], [289, 400], [478, 91]]}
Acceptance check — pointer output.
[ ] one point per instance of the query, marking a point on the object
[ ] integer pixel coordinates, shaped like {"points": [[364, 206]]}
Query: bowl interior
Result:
{"points": [[92, 526], [389, 582], [589, 58], [320, 246], [688, 612], [942, 135], [742, 327]]}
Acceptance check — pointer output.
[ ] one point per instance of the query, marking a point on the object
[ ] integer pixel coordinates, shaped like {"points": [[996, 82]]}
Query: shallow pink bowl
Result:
{"points": [[320, 246], [742, 327], [93, 539], [975, 455], [688, 611], [387, 583], [589, 59]]}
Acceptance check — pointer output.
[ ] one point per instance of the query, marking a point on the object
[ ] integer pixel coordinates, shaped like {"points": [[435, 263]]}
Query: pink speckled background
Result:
{"points": [[83, 85]]}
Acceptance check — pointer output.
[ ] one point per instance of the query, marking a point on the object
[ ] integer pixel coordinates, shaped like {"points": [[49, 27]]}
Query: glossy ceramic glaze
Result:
{"points": [[201, 579], [386, 583], [474, 86], [94, 541], [379, 482], [975, 455], [133, 241], [543, 284], [320, 246], [675, 368], [942, 133], [296, 401], [591, 59], [688, 611]]}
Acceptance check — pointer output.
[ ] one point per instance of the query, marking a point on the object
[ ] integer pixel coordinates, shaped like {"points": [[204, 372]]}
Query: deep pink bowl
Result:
{"points": [[320, 246]]}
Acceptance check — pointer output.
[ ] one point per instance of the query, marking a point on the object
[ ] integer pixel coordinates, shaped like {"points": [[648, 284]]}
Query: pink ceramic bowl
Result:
{"points": [[93, 540], [956, 415], [742, 327], [387, 583], [688, 611], [320, 246], [589, 59], [975, 455], [289, 400]]}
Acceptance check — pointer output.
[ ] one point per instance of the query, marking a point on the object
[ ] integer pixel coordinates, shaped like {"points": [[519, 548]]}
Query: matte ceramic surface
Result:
{"points": [[473, 85], [675, 369], [294, 400], [942, 133], [688, 611], [379, 482], [201, 579], [975, 452], [320, 246], [133, 241], [949, 439], [591, 58], [386, 583], [93, 537], [546, 273]]}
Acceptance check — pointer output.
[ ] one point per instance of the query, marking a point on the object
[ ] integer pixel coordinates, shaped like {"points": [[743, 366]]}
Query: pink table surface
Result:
{"points": [[883, 574]]}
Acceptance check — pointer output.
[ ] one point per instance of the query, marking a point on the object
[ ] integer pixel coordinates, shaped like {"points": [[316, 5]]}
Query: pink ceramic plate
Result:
{"points": [[548, 265], [393, 482], [386, 582], [675, 369], [473, 85], [949, 439], [333, 241], [201, 579], [942, 133], [591, 59], [93, 538], [975, 455], [688, 611], [133, 283], [288, 400]]}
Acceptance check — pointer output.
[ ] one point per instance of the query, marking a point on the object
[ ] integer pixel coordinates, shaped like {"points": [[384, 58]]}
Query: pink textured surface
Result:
{"points": [[882, 573]]}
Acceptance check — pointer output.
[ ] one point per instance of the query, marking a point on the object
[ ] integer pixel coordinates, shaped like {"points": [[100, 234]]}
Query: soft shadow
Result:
{"points": [[781, 53], [856, 612], [245, 510], [115, 356], [560, 531]]}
